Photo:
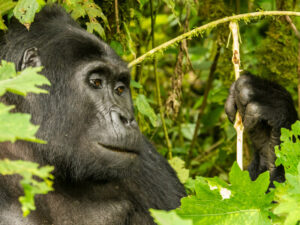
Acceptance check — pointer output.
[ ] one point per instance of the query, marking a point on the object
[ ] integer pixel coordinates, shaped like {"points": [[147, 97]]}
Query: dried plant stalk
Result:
{"points": [[238, 125]]}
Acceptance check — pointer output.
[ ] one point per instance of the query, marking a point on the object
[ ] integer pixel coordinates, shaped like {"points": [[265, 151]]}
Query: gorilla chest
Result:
{"points": [[62, 211], [59, 211]]}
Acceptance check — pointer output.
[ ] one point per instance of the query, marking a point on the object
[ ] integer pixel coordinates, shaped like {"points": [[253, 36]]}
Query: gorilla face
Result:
{"points": [[87, 117]]}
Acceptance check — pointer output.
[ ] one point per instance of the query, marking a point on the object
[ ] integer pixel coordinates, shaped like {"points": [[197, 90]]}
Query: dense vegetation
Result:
{"points": [[178, 90]]}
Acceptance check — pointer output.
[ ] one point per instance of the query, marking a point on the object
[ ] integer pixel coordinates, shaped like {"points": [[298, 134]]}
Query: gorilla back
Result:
{"points": [[106, 172]]}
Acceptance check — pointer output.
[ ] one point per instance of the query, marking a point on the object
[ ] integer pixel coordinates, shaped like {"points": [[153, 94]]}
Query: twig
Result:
{"points": [[117, 16], [204, 102], [297, 33], [238, 125], [293, 26], [161, 111], [199, 30]]}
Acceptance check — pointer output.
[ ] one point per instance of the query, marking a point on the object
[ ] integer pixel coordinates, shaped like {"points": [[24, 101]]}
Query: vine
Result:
{"points": [[200, 30]]}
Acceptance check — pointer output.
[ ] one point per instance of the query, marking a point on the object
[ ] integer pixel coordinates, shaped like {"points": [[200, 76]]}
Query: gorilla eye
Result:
{"points": [[120, 90], [96, 83]]}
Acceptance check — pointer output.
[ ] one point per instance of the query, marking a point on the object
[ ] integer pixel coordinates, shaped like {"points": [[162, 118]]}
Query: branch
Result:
{"points": [[238, 125], [211, 25]]}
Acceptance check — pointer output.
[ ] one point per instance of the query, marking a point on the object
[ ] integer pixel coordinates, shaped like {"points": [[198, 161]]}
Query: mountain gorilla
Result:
{"points": [[106, 172]]}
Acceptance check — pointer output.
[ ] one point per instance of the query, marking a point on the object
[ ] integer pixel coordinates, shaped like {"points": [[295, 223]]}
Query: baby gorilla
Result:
{"points": [[265, 107]]}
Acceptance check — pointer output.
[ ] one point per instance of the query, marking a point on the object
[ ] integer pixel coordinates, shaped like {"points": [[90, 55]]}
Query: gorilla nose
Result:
{"points": [[120, 118]]}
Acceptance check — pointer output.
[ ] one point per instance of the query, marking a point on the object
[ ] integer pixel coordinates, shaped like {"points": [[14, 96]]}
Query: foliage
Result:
{"points": [[288, 194], [243, 201], [17, 126], [268, 49], [30, 184], [25, 10], [289, 152], [178, 166], [145, 109], [88, 8], [240, 202], [5, 7]]}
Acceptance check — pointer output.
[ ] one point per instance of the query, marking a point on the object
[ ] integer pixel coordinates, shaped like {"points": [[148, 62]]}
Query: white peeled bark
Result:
{"points": [[238, 125]]}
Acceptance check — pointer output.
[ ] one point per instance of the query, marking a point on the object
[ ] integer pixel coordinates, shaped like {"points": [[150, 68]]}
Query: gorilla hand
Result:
{"points": [[265, 108]]}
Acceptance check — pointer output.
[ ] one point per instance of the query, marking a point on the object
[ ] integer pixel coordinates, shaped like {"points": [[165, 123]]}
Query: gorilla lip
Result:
{"points": [[117, 149]]}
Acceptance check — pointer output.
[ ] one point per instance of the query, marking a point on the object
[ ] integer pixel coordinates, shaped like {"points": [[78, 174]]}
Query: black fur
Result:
{"points": [[106, 172], [265, 107]]}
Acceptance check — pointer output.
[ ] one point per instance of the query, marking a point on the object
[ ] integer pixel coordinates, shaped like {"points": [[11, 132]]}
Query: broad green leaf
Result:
{"points": [[29, 172], [16, 126], [168, 218], [145, 109], [25, 10], [288, 199], [178, 165], [241, 202], [22, 82], [289, 153]]}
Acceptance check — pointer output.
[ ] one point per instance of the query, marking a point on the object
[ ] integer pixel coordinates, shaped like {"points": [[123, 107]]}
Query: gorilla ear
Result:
{"points": [[31, 58]]}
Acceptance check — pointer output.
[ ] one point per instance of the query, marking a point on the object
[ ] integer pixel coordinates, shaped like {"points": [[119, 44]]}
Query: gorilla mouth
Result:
{"points": [[117, 149]]}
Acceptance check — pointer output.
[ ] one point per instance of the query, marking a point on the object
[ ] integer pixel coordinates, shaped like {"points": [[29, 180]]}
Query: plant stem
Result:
{"points": [[201, 29], [204, 103], [161, 111], [117, 16], [238, 125]]}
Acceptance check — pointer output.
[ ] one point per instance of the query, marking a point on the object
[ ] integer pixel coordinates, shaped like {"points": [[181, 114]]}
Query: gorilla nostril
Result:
{"points": [[119, 118], [124, 120]]}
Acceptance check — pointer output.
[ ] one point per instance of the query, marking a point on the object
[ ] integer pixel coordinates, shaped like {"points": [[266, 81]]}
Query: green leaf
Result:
{"points": [[288, 199], [289, 153], [16, 126], [178, 165], [95, 26], [168, 218], [22, 82], [77, 12], [7, 70], [2, 24], [188, 130], [5, 6], [94, 11], [115, 45], [135, 84], [25, 10], [29, 172], [241, 202], [145, 109]]}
